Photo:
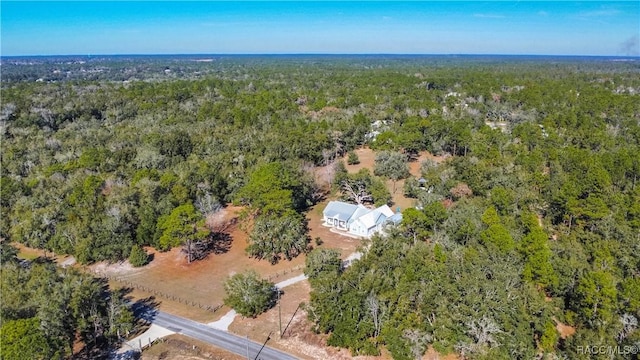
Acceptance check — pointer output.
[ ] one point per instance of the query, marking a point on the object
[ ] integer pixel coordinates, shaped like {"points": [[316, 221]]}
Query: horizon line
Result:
{"points": [[311, 54]]}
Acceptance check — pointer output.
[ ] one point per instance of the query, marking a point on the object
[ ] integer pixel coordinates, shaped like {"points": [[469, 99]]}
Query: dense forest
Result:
{"points": [[532, 220], [52, 313]]}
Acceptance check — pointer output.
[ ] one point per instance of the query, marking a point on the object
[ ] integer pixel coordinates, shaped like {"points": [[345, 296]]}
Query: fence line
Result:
{"points": [[211, 308], [129, 283], [285, 272]]}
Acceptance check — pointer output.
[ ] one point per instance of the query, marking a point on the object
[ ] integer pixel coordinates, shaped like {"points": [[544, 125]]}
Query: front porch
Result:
{"points": [[336, 223]]}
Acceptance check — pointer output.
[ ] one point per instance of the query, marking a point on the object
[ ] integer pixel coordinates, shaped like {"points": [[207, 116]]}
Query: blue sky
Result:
{"points": [[266, 27]]}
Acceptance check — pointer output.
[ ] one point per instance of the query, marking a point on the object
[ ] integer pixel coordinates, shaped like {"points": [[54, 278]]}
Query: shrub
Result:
{"points": [[352, 158], [248, 294], [138, 257]]}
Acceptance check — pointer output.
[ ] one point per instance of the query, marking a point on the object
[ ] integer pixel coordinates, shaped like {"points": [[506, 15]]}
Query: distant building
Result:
{"points": [[357, 219]]}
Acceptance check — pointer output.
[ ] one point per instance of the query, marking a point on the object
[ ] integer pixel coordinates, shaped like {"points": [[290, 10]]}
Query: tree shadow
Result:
{"points": [[276, 295], [221, 243], [318, 194], [412, 154], [217, 243], [124, 292], [40, 260], [145, 309], [99, 351]]}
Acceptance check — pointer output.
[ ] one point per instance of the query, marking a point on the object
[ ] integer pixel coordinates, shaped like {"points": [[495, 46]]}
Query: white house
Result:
{"points": [[357, 219]]}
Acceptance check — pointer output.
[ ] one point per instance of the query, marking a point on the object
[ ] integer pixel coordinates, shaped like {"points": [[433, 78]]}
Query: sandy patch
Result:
{"points": [[303, 342], [432, 354], [180, 347], [121, 267], [564, 330]]}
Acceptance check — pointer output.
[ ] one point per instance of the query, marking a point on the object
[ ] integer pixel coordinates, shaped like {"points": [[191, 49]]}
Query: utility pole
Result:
{"points": [[247, 336], [279, 314]]}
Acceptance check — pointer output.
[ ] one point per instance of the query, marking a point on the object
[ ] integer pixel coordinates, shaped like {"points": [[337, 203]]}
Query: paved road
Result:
{"points": [[153, 333], [291, 281], [202, 332], [215, 335], [225, 321]]}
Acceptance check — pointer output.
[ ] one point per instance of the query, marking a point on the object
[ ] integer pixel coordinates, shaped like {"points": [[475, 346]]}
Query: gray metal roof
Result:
{"points": [[361, 211], [340, 210], [396, 218], [376, 217]]}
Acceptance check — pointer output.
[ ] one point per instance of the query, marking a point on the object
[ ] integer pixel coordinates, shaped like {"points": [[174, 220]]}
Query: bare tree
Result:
{"points": [[116, 312], [419, 341], [358, 194], [483, 332], [207, 204], [326, 157], [373, 304], [338, 144]]}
